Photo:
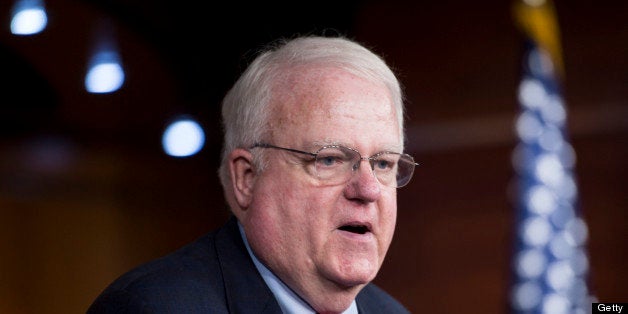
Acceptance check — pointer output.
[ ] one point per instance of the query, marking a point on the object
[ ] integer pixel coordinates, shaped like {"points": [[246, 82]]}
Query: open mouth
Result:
{"points": [[359, 229]]}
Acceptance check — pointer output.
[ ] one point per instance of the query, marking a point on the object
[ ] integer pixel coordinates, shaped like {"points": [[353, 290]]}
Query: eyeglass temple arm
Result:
{"points": [[264, 145]]}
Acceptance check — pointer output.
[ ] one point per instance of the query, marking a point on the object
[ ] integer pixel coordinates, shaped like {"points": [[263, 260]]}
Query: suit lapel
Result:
{"points": [[245, 289], [365, 302]]}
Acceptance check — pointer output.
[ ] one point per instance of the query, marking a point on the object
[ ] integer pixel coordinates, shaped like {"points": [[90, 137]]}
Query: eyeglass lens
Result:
{"points": [[336, 164]]}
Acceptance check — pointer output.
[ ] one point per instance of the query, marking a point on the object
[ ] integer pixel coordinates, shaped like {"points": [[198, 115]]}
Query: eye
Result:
{"points": [[382, 164], [328, 160], [332, 157], [385, 163]]}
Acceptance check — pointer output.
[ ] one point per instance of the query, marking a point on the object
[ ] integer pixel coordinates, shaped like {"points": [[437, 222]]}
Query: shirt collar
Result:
{"points": [[288, 300]]}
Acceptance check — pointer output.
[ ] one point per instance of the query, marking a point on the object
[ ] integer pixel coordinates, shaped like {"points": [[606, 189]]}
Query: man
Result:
{"points": [[311, 163]]}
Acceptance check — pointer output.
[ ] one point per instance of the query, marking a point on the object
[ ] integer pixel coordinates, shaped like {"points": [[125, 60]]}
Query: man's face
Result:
{"points": [[317, 237]]}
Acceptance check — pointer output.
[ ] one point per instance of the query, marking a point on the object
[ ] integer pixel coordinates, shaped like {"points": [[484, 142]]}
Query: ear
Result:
{"points": [[243, 174]]}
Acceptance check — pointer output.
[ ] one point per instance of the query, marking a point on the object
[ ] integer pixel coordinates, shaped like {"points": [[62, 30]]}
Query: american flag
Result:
{"points": [[550, 261]]}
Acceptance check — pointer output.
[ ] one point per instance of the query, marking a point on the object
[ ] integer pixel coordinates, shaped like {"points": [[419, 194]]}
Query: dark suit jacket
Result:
{"points": [[214, 274]]}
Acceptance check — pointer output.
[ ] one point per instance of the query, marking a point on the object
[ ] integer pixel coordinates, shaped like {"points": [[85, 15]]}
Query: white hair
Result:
{"points": [[245, 108]]}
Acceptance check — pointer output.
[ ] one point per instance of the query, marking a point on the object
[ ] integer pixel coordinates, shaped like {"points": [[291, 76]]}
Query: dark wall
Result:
{"points": [[86, 192]]}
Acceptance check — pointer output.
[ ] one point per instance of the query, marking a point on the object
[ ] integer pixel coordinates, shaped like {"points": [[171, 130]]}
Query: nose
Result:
{"points": [[363, 185]]}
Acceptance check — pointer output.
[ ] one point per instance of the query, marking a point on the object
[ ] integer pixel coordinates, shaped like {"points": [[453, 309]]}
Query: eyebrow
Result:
{"points": [[389, 148]]}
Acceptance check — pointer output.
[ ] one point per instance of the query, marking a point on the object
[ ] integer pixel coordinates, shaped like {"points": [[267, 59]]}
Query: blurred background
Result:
{"points": [[88, 189]]}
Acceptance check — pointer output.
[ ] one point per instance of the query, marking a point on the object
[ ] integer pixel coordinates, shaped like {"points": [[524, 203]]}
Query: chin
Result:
{"points": [[351, 276], [348, 268]]}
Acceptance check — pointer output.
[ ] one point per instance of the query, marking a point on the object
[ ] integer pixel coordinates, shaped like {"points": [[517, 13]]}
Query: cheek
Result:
{"points": [[287, 207], [307, 217], [388, 218], [290, 224]]}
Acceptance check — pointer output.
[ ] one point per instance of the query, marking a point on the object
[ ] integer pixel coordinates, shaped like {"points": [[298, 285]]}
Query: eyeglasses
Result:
{"points": [[335, 164]]}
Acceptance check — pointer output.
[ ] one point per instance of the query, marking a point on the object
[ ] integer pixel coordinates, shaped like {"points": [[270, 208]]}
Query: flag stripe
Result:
{"points": [[550, 264]]}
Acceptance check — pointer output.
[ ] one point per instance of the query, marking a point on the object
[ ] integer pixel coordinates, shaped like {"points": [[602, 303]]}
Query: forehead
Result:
{"points": [[325, 104]]}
